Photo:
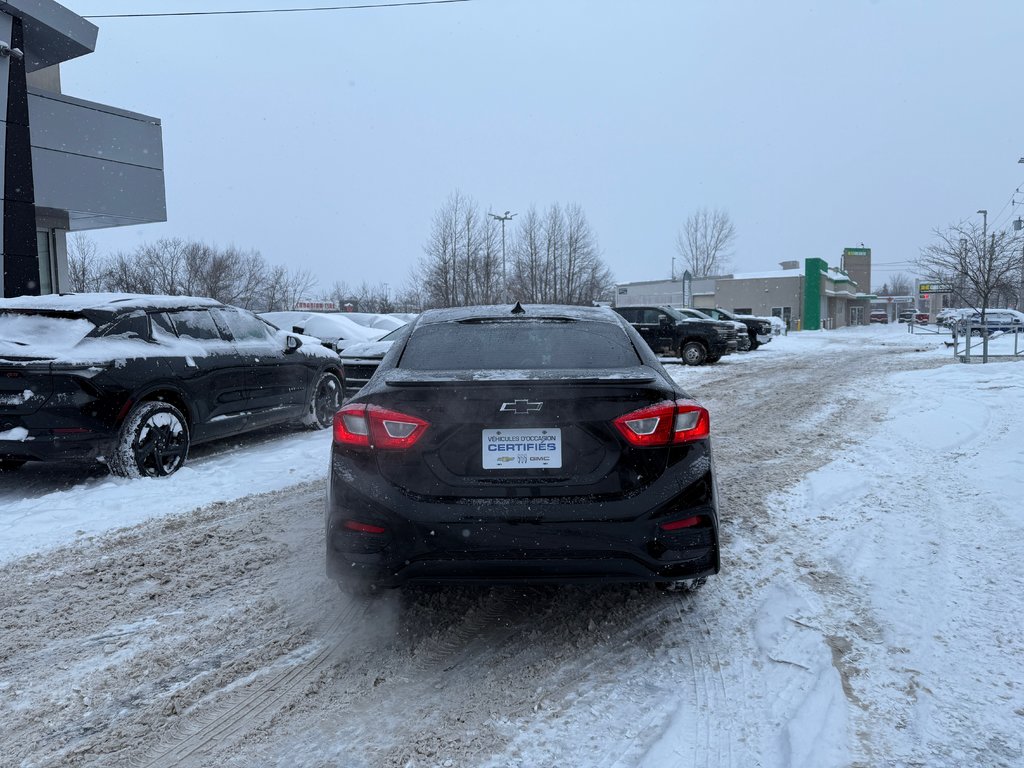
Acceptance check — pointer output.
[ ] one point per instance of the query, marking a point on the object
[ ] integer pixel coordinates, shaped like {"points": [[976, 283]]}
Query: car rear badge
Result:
{"points": [[520, 407]]}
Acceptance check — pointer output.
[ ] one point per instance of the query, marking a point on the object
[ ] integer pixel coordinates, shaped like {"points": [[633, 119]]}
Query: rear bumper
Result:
{"points": [[43, 445], [514, 540]]}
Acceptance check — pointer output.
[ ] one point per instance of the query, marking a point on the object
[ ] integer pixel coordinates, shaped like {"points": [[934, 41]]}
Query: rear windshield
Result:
{"points": [[518, 345], [47, 334]]}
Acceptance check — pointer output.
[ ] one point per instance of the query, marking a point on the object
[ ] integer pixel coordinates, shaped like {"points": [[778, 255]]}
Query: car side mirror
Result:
{"points": [[292, 344], [664, 321]]}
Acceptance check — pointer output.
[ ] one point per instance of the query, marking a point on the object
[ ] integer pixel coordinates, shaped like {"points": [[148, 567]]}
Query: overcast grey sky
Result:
{"points": [[327, 140]]}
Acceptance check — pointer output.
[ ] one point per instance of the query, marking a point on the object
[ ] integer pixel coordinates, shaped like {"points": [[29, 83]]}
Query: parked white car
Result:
{"points": [[335, 330], [997, 319], [385, 323]]}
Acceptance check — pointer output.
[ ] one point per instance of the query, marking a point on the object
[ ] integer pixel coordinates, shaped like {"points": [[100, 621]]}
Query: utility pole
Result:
{"points": [[984, 303], [1018, 225], [504, 275]]}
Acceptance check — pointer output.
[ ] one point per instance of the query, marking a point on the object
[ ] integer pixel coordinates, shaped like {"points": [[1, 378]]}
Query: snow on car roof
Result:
{"points": [[76, 302], [324, 326], [41, 336], [504, 311], [372, 320]]}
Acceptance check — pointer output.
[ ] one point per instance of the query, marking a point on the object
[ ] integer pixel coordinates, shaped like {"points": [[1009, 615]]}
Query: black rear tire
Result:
{"points": [[153, 442], [324, 402]]}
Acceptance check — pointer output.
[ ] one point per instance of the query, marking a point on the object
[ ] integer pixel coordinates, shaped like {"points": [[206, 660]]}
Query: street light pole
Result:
{"points": [[984, 306], [504, 275], [984, 245]]}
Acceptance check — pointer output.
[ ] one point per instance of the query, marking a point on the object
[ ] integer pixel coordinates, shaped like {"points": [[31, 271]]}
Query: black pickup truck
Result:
{"points": [[758, 328], [667, 331]]}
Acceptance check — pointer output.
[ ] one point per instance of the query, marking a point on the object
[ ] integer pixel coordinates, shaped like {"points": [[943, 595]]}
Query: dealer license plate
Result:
{"points": [[536, 448]]}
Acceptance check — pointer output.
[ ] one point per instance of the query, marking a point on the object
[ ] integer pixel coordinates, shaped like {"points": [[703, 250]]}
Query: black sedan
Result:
{"points": [[132, 381], [521, 444]]}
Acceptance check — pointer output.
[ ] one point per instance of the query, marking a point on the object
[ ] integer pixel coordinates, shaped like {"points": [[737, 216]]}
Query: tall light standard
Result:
{"points": [[507, 216], [1018, 225], [984, 243], [985, 264]]}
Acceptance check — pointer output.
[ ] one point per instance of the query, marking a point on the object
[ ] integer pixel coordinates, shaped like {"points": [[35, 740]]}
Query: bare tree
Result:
{"points": [[897, 285], [705, 242], [526, 273], [900, 284], [977, 270], [85, 266], [122, 273], [179, 267], [553, 258], [296, 285], [437, 272], [253, 278], [339, 293], [556, 259], [409, 298], [489, 279], [461, 261]]}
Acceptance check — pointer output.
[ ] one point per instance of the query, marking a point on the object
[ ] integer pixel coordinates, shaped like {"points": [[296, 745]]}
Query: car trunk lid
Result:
{"points": [[516, 434]]}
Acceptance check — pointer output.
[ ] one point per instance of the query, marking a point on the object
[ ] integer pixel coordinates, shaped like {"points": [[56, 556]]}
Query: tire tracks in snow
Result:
{"points": [[240, 712], [501, 677]]}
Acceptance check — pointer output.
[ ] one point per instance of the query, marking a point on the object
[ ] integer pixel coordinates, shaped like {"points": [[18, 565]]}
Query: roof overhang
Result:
{"points": [[53, 34]]}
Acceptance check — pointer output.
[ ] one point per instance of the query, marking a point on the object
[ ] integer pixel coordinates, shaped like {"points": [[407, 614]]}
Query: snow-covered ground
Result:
{"points": [[868, 612]]}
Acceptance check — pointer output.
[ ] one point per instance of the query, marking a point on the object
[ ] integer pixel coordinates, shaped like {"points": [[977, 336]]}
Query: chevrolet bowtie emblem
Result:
{"points": [[521, 407]]}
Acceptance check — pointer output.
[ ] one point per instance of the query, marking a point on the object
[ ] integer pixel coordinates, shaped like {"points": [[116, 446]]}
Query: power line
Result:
{"points": [[997, 218], [365, 6], [1012, 204]]}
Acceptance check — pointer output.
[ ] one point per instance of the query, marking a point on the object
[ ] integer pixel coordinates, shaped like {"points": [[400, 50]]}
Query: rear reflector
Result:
{"points": [[370, 426], [686, 522], [354, 525], [665, 423]]}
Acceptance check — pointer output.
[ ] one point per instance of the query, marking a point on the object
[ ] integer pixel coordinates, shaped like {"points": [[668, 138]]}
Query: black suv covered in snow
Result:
{"points": [[670, 332], [521, 444], [132, 381]]}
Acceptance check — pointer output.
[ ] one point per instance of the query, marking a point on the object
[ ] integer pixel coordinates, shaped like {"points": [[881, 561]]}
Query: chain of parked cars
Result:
{"points": [[490, 444], [697, 336], [487, 444], [969, 320], [133, 381]]}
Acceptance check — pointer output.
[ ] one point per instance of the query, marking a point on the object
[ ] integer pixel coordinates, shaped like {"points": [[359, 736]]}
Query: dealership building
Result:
{"points": [[67, 164], [811, 296]]}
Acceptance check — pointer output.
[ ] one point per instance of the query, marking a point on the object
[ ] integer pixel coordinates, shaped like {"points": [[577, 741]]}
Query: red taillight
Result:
{"points": [[686, 522], [665, 423], [369, 426], [351, 426], [355, 525]]}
